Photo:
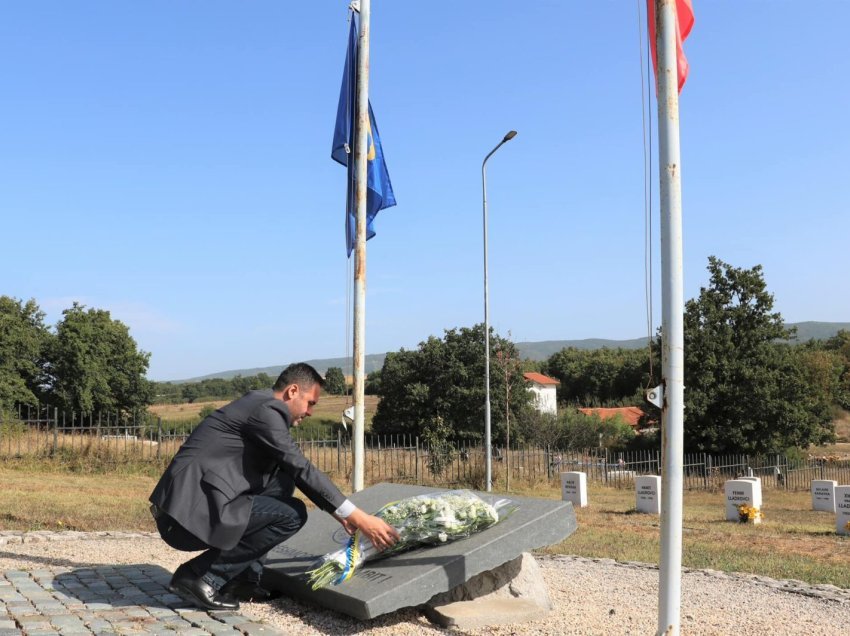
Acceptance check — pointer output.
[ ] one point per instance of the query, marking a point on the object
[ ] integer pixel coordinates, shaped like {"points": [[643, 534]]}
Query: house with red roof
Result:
{"points": [[544, 389], [629, 414]]}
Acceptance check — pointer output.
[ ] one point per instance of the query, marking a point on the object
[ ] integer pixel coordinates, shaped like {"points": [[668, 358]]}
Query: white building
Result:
{"points": [[544, 389]]}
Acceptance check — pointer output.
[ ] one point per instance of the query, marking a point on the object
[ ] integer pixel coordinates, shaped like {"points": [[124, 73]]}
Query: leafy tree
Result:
{"points": [[582, 431], [23, 338], [166, 392], [95, 364], [599, 377], [437, 435], [445, 378], [373, 383], [191, 391], [541, 429], [335, 381], [744, 391], [240, 385], [839, 345]]}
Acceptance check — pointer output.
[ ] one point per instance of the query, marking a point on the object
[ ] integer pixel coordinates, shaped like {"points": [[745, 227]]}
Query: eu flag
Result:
{"points": [[379, 190]]}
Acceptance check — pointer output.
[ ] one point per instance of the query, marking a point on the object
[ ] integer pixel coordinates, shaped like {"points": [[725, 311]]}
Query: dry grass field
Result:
{"points": [[330, 408], [793, 542]]}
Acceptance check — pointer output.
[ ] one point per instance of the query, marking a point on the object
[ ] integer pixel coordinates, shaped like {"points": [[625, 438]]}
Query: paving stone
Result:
{"points": [[411, 578], [99, 606], [11, 597], [98, 625], [137, 612], [10, 632], [35, 621], [232, 619], [161, 612]]}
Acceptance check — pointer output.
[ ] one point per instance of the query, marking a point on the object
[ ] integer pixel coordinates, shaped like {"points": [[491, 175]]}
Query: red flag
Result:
{"points": [[684, 24]]}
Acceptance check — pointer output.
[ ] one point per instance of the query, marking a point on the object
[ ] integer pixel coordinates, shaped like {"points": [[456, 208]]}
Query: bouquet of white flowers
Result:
{"points": [[422, 520]]}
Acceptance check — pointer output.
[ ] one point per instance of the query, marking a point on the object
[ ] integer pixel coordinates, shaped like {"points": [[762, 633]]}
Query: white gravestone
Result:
{"points": [[648, 494], [823, 494], [842, 509], [741, 492], [574, 488]]}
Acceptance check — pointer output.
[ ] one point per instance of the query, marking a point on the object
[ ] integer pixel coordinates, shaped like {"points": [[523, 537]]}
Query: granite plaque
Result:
{"points": [[842, 509], [574, 488], [648, 494], [823, 494], [411, 578], [741, 492]]}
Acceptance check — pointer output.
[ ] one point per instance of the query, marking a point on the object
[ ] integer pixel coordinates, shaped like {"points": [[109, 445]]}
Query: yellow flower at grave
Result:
{"points": [[749, 514]]}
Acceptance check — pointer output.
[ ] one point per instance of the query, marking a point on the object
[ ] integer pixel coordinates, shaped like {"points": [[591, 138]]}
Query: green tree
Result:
{"points": [[582, 431], [445, 378], [744, 390], [95, 364], [166, 392], [373, 383], [23, 339], [335, 381], [437, 435], [599, 377], [839, 346]]}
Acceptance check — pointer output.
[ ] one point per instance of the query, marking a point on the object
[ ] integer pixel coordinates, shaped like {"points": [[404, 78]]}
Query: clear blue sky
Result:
{"points": [[170, 162]]}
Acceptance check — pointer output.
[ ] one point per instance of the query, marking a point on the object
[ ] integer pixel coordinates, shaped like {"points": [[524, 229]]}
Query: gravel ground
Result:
{"points": [[591, 596]]}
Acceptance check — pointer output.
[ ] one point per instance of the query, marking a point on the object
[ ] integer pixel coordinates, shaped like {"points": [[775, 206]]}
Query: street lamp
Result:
{"points": [[487, 446]]}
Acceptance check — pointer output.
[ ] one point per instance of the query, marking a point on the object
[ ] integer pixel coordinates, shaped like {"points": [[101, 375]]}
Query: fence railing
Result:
{"points": [[45, 433]]}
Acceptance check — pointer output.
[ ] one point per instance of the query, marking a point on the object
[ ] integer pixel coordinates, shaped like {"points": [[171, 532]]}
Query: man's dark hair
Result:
{"points": [[299, 373]]}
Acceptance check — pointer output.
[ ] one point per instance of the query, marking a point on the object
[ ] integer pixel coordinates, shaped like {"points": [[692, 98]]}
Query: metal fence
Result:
{"points": [[108, 440]]}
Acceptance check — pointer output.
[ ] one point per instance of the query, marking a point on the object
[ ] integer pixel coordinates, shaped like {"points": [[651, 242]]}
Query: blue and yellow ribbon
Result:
{"points": [[352, 552]]}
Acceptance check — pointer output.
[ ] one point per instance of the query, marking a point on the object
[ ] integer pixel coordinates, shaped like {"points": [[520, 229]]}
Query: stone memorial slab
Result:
{"points": [[574, 488], [648, 494], [842, 509], [741, 492], [823, 494], [411, 578]]}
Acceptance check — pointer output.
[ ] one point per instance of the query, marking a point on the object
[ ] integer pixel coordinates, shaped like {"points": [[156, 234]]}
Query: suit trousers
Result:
{"points": [[275, 517]]}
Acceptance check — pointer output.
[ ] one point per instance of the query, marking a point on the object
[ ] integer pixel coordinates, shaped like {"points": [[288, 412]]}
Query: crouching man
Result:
{"points": [[229, 492]]}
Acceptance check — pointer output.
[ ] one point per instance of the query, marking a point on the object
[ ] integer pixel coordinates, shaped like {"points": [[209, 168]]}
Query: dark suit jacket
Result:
{"points": [[209, 485]]}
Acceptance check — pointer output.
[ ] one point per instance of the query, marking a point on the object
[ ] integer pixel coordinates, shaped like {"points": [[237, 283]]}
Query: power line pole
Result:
{"points": [[672, 321]]}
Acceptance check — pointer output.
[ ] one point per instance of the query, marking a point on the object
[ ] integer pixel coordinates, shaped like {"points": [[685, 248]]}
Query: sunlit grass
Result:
{"points": [[793, 542]]}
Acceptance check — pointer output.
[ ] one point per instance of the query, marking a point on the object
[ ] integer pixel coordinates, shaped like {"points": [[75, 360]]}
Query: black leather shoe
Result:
{"points": [[188, 584], [248, 591]]}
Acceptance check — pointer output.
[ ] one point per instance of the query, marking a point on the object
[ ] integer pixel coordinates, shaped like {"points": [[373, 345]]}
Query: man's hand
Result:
{"points": [[379, 532]]}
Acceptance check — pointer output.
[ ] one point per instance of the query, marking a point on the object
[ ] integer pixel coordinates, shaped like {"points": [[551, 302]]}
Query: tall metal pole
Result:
{"points": [[672, 322], [488, 460], [360, 150]]}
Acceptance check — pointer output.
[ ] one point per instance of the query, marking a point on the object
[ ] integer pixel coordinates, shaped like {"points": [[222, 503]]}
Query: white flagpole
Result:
{"points": [[360, 150], [672, 322]]}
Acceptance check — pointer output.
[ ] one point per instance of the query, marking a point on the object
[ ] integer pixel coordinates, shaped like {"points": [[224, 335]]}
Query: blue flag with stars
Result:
{"points": [[379, 190]]}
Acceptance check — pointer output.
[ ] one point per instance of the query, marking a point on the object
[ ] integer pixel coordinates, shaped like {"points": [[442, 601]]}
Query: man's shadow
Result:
{"points": [[119, 586]]}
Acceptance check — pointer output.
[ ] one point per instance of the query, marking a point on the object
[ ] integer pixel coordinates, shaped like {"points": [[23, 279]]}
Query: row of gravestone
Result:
{"points": [[743, 497]]}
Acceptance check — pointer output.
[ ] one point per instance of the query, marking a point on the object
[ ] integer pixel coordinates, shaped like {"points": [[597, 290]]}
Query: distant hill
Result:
{"points": [[817, 330], [530, 350]]}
